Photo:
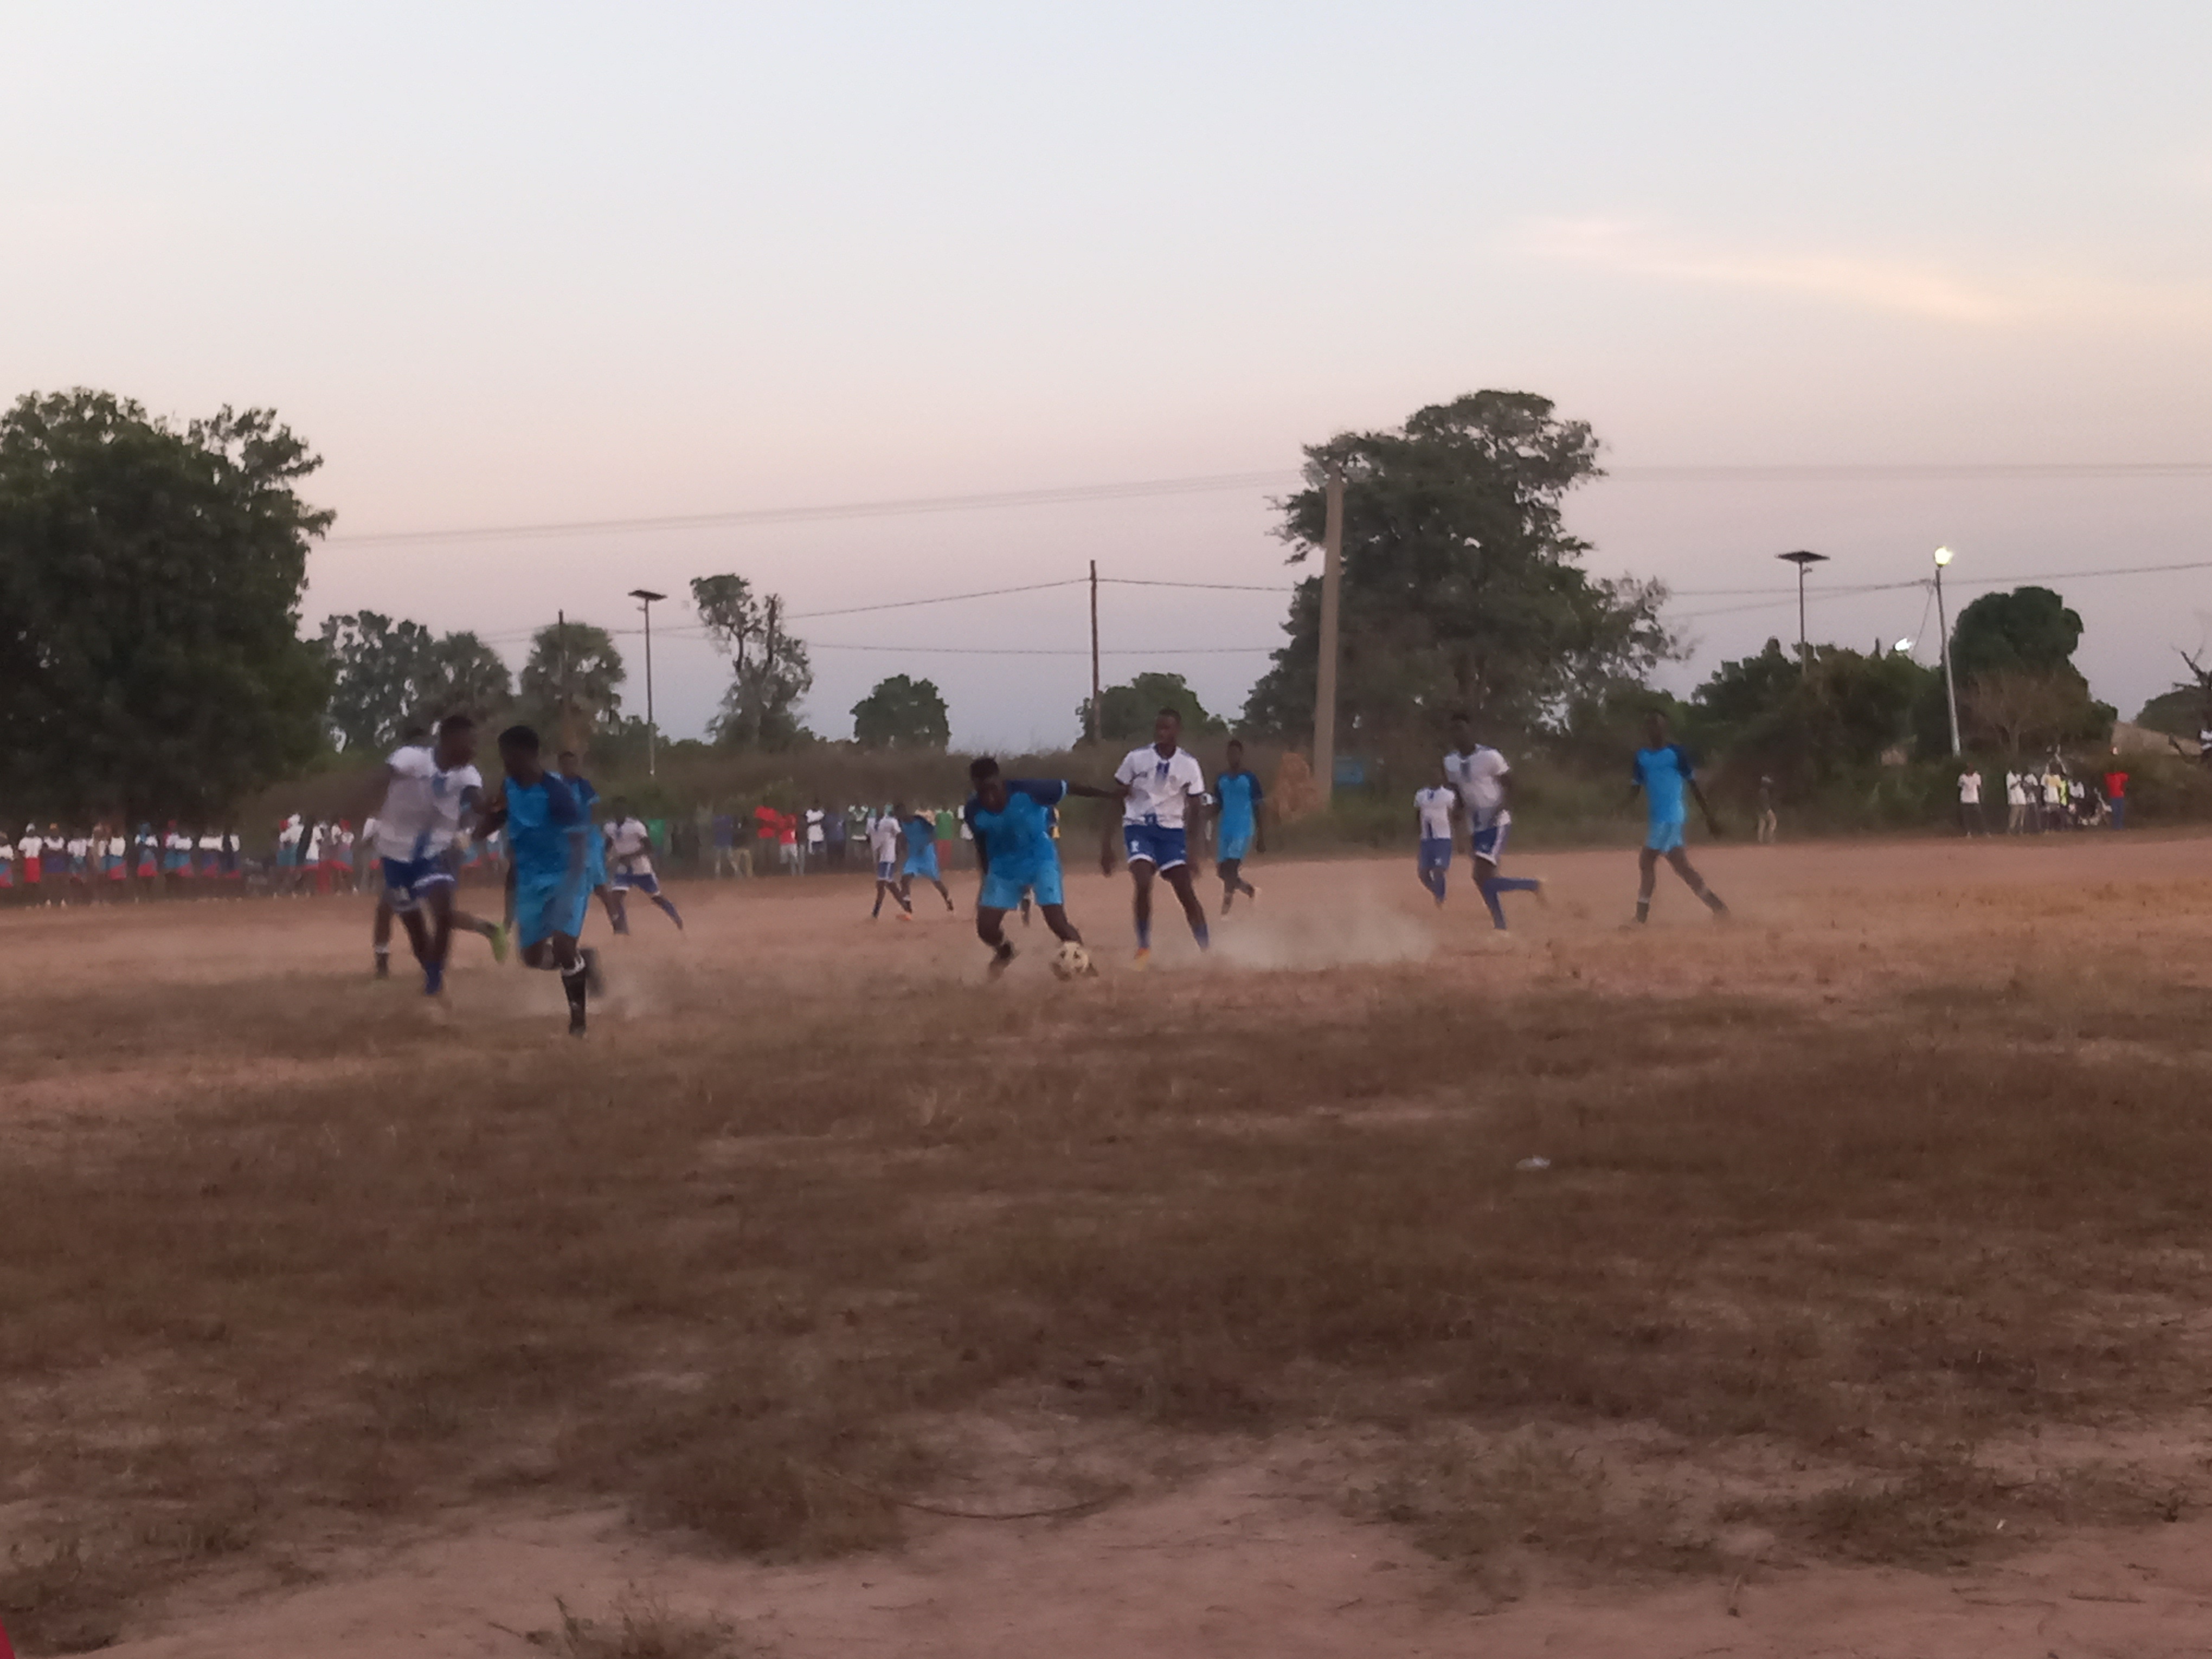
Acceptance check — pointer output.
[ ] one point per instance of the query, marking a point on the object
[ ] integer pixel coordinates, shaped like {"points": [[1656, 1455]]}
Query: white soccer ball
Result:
{"points": [[1071, 961]]}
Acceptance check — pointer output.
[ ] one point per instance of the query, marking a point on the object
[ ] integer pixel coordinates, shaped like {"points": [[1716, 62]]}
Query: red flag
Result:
{"points": [[6, 1652]]}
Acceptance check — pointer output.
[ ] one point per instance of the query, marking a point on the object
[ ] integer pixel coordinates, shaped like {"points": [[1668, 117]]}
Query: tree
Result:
{"points": [[150, 659], [1128, 711], [569, 683], [464, 676], [1462, 587], [902, 713], [2028, 630], [375, 665], [1807, 722], [2016, 708], [768, 669]]}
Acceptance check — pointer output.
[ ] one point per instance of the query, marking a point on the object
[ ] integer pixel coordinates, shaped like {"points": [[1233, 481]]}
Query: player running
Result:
{"points": [[884, 838], [1158, 783], [596, 853], [419, 836], [630, 844], [1010, 820], [1237, 829], [547, 839], [1484, 782], [1434, 808], [1664, 771], [921, 832]]}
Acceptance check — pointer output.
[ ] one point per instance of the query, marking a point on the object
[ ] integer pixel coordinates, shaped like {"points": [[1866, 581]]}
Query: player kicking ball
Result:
{"points": [[1157, 785], [629, 864], [1237, 829], [419, 836], [1484, 782], [547, 840], [1010, 819], [1664, 773]]}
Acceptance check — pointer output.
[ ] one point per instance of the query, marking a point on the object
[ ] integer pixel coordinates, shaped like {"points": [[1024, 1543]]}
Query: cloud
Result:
{"points": [[1873, 284]]}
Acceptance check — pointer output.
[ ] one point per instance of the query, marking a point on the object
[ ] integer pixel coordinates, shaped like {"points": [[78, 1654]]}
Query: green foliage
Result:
{"points": [[2028, 630], [1806, 723], [1127, 712], [150, 661], [768, 669], [2022, 710], [1462, 587], [388, 676], [902, 713], [2181, 712], [570, 686], [464, 675]]}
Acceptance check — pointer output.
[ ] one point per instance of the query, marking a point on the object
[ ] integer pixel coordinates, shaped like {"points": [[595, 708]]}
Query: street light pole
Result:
{"points": [[1802, 558], [645, 597], [1943, 622]]}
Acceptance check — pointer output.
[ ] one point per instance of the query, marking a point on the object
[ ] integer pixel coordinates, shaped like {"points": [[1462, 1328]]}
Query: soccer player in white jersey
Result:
{"points": [[427, 795], [1159, 783], [1434, 809], [629, 865], [884, 835], [1483, 779]]}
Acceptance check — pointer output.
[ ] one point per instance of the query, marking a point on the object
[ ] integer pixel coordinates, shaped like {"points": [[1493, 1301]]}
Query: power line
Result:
{"points": [[1200, 483], [1052, 650]]}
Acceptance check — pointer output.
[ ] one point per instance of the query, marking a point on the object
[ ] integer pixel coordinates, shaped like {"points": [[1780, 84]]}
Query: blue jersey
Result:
{"points": [[1664, 774], [544, 822], [1017, 839], [920, 835], [587, 797], [1241, 795]]}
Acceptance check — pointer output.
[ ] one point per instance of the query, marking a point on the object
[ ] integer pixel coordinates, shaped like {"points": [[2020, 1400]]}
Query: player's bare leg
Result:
{"points": [[1681, 861], [379, 939], [990, 928], [579, 969], [1647, 880]]}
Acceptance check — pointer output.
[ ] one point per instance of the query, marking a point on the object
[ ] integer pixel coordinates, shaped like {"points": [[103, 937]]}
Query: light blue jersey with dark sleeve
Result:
{"points": [[1664, 774]]}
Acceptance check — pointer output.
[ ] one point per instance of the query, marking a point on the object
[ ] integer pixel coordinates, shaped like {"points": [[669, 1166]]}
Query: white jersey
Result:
{"points": [[289, 835], [1970, 788], [2014, 794], [882, 839], [115, 848], [630, 847], [1159, 786], [1435, 807], [814, 832], [1477, 776], [421, 812]]}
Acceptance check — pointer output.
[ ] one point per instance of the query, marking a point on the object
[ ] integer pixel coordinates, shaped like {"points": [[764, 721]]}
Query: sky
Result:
{"points": [[1861, 279]]}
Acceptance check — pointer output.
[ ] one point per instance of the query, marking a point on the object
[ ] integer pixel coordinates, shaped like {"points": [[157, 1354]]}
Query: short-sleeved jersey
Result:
{"points": [[1435, 807], [630, 847], [883, 838], [581, 787], [545, 821], [1017, 837], [1160, 786], [1664, 774], [921, 832], [421, 812], [1241, 795], [816, 830], [1970, 788], [1476, 774]]}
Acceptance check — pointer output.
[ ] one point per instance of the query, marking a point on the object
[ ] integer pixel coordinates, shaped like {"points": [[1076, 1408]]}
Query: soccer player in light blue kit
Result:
{"points": [[1010, 819], [1236, 828], [548, 842], [595, 843], [1664, 772]]}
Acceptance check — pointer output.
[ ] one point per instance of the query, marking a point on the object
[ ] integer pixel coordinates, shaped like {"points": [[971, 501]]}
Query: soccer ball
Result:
{"points": [[1072, 961]]}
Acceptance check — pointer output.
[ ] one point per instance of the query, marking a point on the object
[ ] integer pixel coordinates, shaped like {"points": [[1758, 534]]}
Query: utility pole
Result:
{"points": [[560, 632], [1332, 579], [645, 598], [767, 669], [1802, 558], [1943, 622], [1093, 733]]}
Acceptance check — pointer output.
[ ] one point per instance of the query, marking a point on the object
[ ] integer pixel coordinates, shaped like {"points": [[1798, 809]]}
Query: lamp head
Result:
{"points": [[1942, 558]]}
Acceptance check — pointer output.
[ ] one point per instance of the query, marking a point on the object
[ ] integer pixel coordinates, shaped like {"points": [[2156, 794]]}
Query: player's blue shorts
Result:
{"points": [[1665, 835], [886, 871], [1488, 845], [1235, 842], [922, 861], [1154, 844], [1436, 853], [543, 907], [644, 881], [407, 880], [1004, 888]]}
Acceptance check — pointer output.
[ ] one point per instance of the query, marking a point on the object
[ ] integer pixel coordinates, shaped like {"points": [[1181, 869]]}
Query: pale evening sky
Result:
{"points": [[547, 263]]}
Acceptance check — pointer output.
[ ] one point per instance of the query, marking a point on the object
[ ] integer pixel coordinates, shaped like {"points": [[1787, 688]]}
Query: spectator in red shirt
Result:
{"points": [[2116, 792], [787, 834]]}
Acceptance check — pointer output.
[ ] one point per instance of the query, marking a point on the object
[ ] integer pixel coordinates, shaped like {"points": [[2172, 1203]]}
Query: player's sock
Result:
{"points": [[383, 961], [1643, 909], [1712, 901], [672, 916], [434, 978], [876, 913], [1144, 933], [1488, 889], [1001, 957], [573, 981], [1198, 931]]}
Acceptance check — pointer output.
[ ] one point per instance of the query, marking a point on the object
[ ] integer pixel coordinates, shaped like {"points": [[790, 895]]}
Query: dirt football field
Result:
{"points": [[1828, 1280]]}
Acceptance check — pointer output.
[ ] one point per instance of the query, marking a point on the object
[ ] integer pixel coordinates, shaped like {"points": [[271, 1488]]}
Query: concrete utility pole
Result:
{"points": [[1332, 579], [1802, 558], [1093, 733], [644, 599], [1950, 686], [560, 632]]}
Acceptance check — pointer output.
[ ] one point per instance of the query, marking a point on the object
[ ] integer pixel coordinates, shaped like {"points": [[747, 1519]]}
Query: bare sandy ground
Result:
{"points": [[1246, 1558]]}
